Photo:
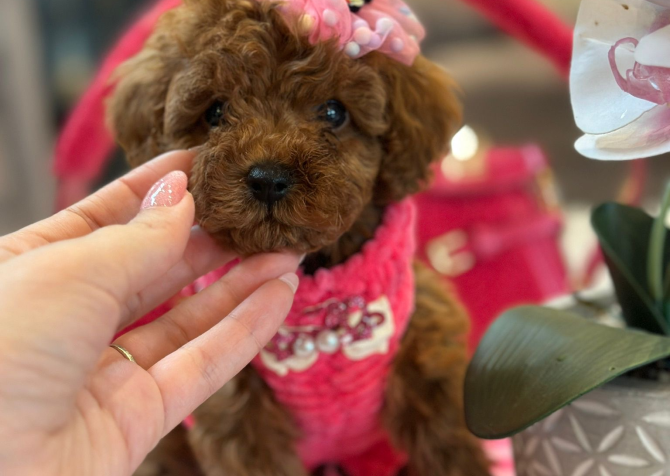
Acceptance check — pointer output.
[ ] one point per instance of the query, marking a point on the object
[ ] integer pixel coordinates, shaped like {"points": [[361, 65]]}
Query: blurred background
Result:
{"points": [[49, 50]]}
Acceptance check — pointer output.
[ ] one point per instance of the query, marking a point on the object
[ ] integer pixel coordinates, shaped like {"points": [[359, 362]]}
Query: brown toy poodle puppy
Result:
{"points": [[301, 148]]}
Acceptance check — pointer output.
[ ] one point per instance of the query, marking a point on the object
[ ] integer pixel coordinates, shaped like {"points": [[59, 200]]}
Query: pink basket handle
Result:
{"points": [[534, 25]]}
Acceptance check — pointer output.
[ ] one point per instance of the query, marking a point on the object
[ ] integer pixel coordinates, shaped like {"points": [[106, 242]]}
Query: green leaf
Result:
{"points": [[655, 264], [625, 233], [534, 361]]}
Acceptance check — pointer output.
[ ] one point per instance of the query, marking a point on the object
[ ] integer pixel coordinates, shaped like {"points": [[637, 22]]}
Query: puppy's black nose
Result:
{"points": [[269, 183]]}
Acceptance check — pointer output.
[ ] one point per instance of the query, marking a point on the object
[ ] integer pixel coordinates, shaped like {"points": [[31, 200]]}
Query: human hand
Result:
{"points": [[70, 404]]}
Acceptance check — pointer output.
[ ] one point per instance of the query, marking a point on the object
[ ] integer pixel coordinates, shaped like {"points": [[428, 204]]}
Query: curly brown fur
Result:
{"points": [[242, 430], [172, 457], [424, 398], [271, 82], [242, 53]]}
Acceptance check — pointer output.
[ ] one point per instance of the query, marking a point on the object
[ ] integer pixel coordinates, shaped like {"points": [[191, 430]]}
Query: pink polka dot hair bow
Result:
{"points": [[362, 26]]}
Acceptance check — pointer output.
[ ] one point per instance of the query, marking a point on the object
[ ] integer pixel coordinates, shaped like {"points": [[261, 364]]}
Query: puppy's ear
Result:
{"points": [[143, 85], [423, 114], [136, 109]]}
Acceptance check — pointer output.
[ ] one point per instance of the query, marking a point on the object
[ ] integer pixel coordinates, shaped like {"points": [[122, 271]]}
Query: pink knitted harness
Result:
{"points": [[329, 363]]}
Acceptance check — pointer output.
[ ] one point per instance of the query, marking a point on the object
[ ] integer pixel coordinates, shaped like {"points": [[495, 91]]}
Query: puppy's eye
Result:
{"points": [[334, 113], [215, 114]]}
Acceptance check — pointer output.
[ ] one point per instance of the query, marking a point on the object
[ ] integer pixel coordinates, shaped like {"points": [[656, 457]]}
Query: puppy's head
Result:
{"points": [[296, 139]]}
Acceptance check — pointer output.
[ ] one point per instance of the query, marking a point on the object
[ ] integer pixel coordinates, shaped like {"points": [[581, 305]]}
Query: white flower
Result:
{"points": [[620, 78]]}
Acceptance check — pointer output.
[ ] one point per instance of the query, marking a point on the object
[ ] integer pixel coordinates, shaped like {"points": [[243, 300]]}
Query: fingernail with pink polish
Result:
{"points": [[167, 192]]}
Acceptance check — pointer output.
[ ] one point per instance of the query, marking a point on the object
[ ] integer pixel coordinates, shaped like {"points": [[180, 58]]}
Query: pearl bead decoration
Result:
{"points": [[352, 49], [304, 346], [329, 336], [375, 41], [330, 17], [397, 45], [307, 23], [360, 23], [362, 36], [385, 25], [328, 342]]}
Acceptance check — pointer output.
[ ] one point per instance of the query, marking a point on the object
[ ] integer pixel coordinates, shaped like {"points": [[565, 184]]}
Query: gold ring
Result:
{"points": [[123, 352]]}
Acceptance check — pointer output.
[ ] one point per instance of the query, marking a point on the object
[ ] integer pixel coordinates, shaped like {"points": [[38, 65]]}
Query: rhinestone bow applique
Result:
{"points": [[354, 327]]}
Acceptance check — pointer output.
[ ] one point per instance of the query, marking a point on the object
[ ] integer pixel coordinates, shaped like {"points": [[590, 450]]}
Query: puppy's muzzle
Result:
{"points": [[269, 183]]}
